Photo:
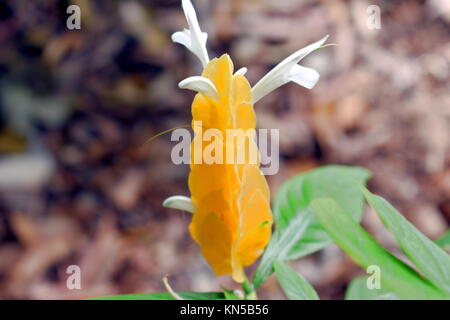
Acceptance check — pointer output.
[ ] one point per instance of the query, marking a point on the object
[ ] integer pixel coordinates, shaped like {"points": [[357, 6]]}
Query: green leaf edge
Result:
{"points": [[436, 267], [357, 290], [411, 279], [287, 277], [265, 268]]}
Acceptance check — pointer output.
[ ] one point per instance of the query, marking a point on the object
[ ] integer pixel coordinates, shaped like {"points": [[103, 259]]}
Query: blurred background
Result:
{"points": [[78, 184]]}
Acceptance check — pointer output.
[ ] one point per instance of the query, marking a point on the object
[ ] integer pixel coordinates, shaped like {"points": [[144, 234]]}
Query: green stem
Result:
{"points": [[249, 289]]}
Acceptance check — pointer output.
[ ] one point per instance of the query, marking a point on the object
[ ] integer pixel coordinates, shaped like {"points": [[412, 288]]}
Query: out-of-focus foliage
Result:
{"points": [[396, 276], [444, 241], [297, 232], [294, 285], [426, 255], [358, 290]]}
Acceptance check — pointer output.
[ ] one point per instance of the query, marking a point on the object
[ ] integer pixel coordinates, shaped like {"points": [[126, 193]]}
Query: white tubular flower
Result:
{"points": [[288, 70], [179, 202], [200, 84], [193, 38]]}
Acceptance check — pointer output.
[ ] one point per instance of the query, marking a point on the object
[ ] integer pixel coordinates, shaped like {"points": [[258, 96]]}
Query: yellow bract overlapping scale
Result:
{"points": [[232, 221]]}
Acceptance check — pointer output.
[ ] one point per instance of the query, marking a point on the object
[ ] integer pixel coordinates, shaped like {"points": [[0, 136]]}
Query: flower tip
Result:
{"points": [[242, 71], [187, 5], [189, 11], [192, 38], [305, 77], [238, 275], [200, 84], [289, 70], [320, 43], [180, 203]]}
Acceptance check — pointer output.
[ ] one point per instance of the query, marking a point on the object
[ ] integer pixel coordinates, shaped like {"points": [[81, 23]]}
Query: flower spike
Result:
{"points": [[193, 38], [288, 70], [229, 202]]}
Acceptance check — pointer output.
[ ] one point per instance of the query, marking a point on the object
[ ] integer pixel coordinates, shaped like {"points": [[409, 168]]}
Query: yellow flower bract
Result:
{"points": [[232, 221]]}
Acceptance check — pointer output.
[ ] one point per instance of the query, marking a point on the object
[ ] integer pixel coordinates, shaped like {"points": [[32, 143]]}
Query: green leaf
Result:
{"points": [[358, 290], [294, 285], [396, 276], [279, 246], [297, 232], [230, 295], [429, 258], [167, 296], [444, 241]]}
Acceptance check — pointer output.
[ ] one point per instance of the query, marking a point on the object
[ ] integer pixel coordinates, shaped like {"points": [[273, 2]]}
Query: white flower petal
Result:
{"points": [[193, 39], [200, 84], [242, 71], [182, 37], [285, 72], [180, 203], [306, 77]]}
